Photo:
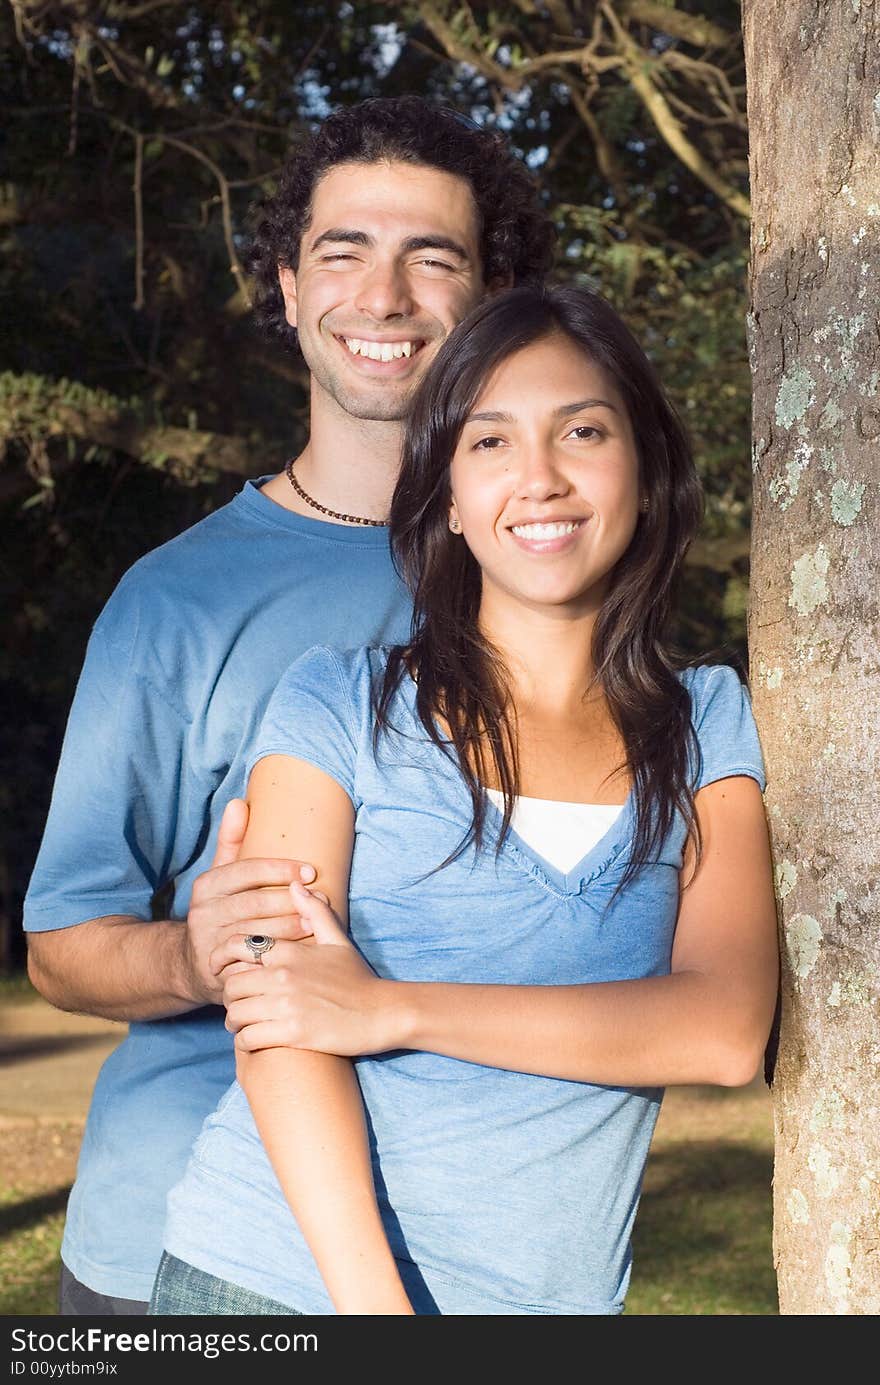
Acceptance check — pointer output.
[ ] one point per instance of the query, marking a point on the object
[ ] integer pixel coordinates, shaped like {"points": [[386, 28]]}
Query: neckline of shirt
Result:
{"points": [[277, 517], [498, 798]]}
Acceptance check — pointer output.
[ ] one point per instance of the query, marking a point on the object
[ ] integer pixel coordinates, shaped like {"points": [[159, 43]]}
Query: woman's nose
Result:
{"points": [[540, 475], [384, 292]]}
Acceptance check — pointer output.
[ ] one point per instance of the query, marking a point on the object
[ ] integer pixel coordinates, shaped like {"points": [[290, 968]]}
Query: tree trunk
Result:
{"points": [[813, 71]]}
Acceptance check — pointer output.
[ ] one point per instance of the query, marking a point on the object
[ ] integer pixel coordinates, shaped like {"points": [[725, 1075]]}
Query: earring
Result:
{"points": [[454, 524], [645, 505]]}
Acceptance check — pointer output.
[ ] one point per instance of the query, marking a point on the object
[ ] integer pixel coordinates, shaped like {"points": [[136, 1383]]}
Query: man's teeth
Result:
{"points": [[544, 531], [380, 350]]}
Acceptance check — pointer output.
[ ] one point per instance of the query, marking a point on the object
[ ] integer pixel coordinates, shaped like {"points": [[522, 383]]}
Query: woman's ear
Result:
{"points": [[454, 521]]}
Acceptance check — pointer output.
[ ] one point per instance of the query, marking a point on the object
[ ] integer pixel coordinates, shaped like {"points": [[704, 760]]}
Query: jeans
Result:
{"points": [[78, 1300], [183, 1290]]}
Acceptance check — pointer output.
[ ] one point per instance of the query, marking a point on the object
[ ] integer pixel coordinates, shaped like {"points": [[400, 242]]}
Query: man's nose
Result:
{"points": [[384, 292]]}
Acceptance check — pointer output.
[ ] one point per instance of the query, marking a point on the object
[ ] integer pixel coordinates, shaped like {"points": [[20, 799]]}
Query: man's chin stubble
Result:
{"points": [[376, 410]]}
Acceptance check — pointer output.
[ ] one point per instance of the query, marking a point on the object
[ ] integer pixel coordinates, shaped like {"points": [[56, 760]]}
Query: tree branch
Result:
{"points": [[605, 156], [234, 263], [33, 411], [473, 57], [138, 223], [692, 28], [636, 63], [560, 16]]}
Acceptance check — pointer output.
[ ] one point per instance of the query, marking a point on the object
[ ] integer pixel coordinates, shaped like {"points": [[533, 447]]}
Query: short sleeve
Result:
{"points": [[310, 717], [118, 826], [721, 711]]}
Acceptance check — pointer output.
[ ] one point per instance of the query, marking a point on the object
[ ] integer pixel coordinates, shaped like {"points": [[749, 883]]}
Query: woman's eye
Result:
{"points": [[485, 444], [585, 432]]}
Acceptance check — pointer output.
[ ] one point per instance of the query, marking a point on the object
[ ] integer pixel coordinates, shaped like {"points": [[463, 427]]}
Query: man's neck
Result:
{"points": [[349, 466]]}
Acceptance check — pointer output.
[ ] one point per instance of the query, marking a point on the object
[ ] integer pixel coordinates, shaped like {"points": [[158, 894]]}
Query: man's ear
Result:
{"points": [[287, 280]]}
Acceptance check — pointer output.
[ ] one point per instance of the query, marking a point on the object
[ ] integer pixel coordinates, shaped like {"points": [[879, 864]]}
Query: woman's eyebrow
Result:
{"points": [[490, 416], [498, 416], [565, 409]]}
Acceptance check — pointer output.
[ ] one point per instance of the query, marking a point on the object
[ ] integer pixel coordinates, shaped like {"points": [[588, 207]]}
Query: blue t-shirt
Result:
{"points": [[500, 1192], [179, 669]]}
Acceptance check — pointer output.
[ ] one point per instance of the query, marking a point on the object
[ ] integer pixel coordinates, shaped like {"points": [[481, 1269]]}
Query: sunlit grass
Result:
{"points": [[703, 1237], [37, 1162]]}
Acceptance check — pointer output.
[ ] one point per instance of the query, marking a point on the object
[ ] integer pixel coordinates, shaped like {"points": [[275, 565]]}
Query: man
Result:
{"points": [[386, 229]]}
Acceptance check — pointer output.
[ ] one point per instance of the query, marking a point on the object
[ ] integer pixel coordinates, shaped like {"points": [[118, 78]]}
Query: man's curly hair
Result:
{"points": [[517, 237]]}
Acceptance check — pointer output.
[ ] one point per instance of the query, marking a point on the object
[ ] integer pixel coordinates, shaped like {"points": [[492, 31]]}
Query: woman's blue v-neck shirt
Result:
{"points": [[501, 1192]]}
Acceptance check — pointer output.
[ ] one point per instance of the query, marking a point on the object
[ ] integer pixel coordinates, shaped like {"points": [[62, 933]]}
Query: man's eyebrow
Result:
{"points": [[345, 235], [452, 247], [497, 416], [337, 234]]}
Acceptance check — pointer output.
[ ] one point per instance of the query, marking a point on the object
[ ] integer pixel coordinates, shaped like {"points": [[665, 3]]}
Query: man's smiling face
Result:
{"points": [[388, 265]]}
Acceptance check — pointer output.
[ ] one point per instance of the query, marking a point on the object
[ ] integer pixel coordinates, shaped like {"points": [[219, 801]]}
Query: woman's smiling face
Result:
{"points": [[545, 479]]}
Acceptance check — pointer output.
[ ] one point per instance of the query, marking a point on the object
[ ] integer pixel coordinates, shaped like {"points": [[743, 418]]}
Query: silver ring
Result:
{"points": [[257, 944]]}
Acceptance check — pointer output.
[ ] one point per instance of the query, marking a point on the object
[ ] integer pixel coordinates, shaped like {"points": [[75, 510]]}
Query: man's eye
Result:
{"points": [[435, 264], [341, 255]]}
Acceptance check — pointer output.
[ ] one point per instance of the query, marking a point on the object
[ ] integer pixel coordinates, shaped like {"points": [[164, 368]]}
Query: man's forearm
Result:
{"points": [[117, 967]]}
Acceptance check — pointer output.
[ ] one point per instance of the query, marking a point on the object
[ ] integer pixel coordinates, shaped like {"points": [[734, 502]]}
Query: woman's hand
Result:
{"points": [[323, 997]]}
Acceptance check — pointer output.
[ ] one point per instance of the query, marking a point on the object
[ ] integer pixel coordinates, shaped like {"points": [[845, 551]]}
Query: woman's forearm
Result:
{"points": [[308, 1110], [706, 1021], [677, 1029]]}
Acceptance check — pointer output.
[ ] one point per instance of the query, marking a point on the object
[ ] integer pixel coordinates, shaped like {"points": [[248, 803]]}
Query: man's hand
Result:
{"points": [[234, 898], [323, 997]]}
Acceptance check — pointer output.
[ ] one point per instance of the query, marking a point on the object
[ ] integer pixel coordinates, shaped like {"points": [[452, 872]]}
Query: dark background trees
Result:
{"points": [[134, 392]]}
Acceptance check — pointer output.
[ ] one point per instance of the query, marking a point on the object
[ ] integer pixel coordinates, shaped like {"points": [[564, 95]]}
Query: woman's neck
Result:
{"points": [[548, 656]]}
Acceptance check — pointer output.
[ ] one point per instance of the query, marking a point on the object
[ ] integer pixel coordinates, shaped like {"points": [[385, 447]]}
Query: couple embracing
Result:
{"points": [[473, 866]]}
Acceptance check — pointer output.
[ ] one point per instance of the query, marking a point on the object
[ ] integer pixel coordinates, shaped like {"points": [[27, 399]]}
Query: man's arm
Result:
{"points": [[129, 807], [124, 968]]}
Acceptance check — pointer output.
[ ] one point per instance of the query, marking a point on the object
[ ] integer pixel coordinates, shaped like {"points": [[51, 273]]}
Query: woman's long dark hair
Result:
{"points": [[459, 675]]}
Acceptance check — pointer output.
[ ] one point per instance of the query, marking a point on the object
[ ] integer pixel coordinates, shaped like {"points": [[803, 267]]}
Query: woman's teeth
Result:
{"points": [[544, 531], [380, 350]]}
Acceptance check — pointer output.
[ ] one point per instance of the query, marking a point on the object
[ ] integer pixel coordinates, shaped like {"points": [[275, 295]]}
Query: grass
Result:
{"points": [[32, 1213], [703, 1238]]}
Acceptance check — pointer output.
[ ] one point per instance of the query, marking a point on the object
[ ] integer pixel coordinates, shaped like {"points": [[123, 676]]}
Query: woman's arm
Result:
{"points": [[307, 1106], [706, 1022]]}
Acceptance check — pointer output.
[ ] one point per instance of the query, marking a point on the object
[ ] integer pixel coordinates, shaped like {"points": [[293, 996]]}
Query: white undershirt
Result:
{"points": [[562, 833]]}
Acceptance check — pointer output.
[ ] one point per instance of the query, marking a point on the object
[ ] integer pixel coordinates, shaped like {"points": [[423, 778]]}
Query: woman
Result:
{"points": [[551, 849]]}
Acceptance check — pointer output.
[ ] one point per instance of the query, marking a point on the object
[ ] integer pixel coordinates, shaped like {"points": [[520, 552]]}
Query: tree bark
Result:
{"points": [[813, 72]]}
